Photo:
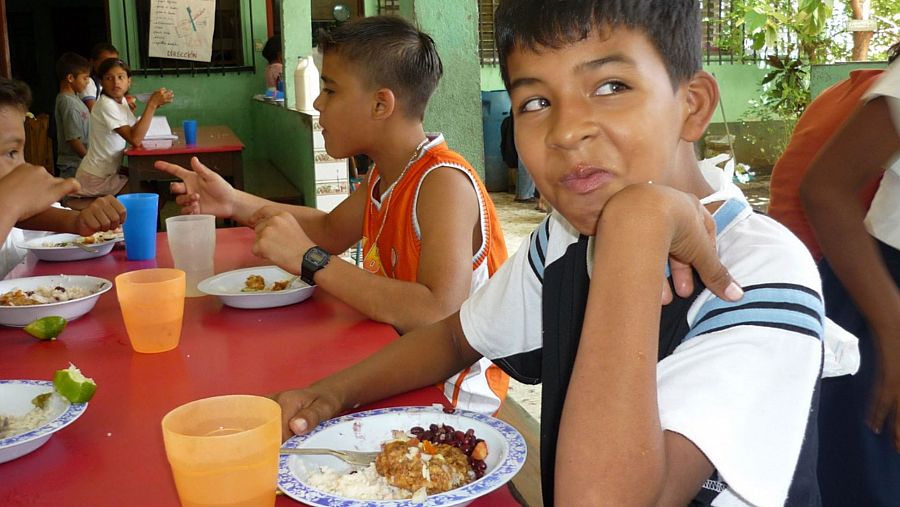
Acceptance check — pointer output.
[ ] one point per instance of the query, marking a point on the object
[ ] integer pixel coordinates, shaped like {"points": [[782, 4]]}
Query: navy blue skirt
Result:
{"points": [[856, 466]]}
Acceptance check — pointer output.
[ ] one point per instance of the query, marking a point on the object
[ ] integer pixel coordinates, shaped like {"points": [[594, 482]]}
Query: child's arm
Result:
{"points": [[610, 421], [202, 190], [447, 211], [399, 367], [28, 190], [856, 154], [103, 214], [77, 146], [134, 134]]}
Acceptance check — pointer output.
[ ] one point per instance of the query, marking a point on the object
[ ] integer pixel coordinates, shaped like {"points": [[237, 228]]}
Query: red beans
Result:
{"points": [[446, 434]]}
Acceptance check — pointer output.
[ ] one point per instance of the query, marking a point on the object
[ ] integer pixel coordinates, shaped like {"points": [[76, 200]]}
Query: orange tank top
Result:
{"points": [[819, 122], [391, 239]]}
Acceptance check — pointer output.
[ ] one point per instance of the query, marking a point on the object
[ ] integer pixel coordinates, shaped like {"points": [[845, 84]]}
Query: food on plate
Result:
{"points": [[43, 295], [73, 385], [97, 237], [256, 283], [45, 406], [412, 465], [46, 328]]}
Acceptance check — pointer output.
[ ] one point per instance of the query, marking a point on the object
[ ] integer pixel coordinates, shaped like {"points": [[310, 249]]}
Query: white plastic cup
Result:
{"points": [[192, 241]]}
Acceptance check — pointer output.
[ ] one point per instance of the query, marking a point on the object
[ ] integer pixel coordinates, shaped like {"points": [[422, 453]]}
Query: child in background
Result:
{"points": [[821, 119], [704, 400], [859, 422], [28, 191], [113, 127], [430, 234], [72, 115], [274, 70], [99, 53]]}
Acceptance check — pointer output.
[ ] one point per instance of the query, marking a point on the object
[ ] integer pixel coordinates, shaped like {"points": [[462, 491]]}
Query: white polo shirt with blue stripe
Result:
{"points": [[742, 383]]}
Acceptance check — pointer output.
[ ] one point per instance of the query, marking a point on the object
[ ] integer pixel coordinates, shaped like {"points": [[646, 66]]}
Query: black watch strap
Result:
{"points": [[313, 260]]}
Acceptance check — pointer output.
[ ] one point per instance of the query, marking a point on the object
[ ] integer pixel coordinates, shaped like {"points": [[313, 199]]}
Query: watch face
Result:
{"points": [[316, 256]]}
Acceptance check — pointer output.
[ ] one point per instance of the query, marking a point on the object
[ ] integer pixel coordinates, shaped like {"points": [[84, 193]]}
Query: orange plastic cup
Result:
{"points": [[224, 450], [152, 303]]}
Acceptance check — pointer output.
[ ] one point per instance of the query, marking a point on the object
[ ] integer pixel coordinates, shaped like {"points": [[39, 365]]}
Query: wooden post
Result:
{"points": [[5, 65]]}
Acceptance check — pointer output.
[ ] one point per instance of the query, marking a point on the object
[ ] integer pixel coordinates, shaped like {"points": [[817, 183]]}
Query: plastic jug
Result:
{"points": [[306, 83]]}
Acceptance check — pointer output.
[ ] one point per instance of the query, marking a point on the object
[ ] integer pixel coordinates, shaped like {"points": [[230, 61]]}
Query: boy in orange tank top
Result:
{"points": [[429, 230]]}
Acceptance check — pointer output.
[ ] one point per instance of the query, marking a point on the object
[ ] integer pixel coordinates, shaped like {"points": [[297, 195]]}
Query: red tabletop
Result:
{"points": [[210, 139], [113, 454]]}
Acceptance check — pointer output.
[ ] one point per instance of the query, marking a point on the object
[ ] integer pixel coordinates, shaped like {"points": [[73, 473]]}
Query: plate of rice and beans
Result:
{"points": [[429, 456]]}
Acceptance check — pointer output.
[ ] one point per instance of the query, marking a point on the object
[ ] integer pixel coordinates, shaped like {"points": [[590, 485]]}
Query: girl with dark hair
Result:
{"points": [[113, 127]]}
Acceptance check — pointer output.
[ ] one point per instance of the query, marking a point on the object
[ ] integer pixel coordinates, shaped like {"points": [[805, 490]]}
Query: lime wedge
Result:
{"points": [[73, 386], [46, 328]]}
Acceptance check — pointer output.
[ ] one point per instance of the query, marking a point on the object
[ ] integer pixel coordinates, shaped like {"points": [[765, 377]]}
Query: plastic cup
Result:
{"points": [[140, 225], [152, 303], [224, 450], [192, 241], [190, 131]]}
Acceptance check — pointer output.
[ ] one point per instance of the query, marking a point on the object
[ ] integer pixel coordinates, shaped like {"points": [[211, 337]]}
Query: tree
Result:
{"points": [[785, 25], [861, 38]]}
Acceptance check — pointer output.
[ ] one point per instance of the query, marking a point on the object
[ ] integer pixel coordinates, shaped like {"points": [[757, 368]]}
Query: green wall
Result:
{"points": [[455, 108], [285, 136], [823, 76], [215, 98], [490, 78], [296, 30], [738, 84]]}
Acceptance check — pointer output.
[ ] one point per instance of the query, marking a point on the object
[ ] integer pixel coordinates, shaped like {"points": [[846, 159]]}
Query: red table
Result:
{"points": [[113, 454], [217, 146]]}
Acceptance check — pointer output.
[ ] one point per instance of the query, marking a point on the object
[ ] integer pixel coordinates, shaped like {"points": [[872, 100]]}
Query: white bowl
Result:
{"points": [[20, 316], [366, 431], [227, 286], [15, 399], [39, 247]]}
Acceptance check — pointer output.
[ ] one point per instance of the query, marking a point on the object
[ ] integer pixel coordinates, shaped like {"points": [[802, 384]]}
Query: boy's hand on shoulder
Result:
{"points": [[201, 190], [106, 213], [686, 226], [279, 238], [29, 189], [303, 409]]}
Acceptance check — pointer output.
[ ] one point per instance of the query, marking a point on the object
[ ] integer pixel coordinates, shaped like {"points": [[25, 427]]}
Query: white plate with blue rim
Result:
{"points": [[15, 400], [366, 431], [231, 288]]}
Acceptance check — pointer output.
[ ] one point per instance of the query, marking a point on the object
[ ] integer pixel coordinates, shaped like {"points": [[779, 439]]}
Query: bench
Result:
{"points": [[526, 485], [263, 179]]}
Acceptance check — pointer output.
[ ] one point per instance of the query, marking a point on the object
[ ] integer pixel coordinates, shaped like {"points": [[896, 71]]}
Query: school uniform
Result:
{"points": [[858, 467], [738, 379], [392, 247]]}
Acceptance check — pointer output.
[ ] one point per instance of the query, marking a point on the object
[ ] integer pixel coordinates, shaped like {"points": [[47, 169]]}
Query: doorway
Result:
{"points": [[39, 31]]}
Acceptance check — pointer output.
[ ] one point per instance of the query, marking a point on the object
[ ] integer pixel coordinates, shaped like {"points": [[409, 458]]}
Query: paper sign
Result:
{"points": [[862, 25], [182, 29]]}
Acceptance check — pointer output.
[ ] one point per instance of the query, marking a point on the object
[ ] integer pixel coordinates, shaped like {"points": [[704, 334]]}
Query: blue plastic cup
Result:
{"points": [[140, 225], [190, 131]]}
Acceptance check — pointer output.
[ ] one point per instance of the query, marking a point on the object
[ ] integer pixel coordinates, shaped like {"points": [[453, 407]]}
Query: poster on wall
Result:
{"points": [[182, 29]]}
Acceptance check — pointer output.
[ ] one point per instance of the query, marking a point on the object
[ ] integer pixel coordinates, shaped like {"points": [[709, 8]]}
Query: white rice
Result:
{"points": [[12, 425], [365, 484], [45, 294]]}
